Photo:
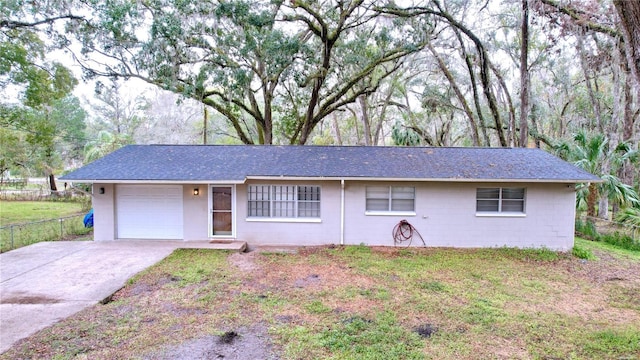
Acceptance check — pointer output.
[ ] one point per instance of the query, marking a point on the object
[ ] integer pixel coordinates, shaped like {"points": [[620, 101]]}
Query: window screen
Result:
{"points": [[283, 201], [390, 198], [500, 200]]}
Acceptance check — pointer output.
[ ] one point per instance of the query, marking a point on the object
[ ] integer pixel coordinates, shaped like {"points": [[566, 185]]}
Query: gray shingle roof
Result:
{"points": [[215, 163]]}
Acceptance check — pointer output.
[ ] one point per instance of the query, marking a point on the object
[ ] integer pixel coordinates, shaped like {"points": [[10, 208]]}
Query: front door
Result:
{"points": [[222, 211]]}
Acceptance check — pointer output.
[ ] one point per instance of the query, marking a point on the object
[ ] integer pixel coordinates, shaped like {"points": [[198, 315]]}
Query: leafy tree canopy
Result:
{"points": [[254, 62]]}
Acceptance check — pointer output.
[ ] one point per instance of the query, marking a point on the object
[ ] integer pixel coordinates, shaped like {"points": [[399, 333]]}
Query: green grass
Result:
{"points": [[608, 343], [621, 240], [383, 337], [581, 252], [18, 212], [29, 222], [609, 248], [363, 303]]}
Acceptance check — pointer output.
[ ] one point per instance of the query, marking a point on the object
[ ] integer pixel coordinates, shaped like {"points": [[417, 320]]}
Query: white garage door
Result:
{"points": [[149, 211]]}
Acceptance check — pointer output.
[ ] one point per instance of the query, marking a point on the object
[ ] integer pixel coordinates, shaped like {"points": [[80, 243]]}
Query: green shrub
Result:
{"points": [[587, 230], [620, 240], [582, 253]]}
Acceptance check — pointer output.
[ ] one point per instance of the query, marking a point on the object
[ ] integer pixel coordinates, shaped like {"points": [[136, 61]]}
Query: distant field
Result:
{"points": [[18, 212]]}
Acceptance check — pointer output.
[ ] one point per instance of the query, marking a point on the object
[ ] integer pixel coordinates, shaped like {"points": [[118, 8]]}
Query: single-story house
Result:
{"points": [[314, 195]]}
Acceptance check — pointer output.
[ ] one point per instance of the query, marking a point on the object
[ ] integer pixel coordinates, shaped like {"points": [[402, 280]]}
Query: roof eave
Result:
{"points": [[121, 181], [333, 178]]}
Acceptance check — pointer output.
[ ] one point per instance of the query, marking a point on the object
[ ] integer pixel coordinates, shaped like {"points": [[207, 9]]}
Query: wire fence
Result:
{"points": [[41, 194], [18, 235]]}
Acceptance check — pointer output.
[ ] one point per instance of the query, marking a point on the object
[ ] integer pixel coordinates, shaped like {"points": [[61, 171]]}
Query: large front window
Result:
{"points": [[284, 201], [500, 200], [390, 198]]}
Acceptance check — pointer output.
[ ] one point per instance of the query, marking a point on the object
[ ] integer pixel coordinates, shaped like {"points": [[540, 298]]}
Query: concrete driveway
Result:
{"points": [[49, 281]]}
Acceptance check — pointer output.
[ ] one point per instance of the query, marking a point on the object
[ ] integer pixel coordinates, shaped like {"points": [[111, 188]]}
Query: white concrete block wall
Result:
{"points": [[196, 212], [103, 212], [296, 231], [445, 216]]}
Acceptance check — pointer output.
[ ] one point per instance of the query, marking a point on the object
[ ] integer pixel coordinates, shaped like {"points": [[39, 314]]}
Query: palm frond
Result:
{"points": [[629, 216], [619, 192]]}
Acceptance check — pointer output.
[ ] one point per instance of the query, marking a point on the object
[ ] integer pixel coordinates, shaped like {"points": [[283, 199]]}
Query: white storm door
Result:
{"points": [[149, 211], [222, 211]]}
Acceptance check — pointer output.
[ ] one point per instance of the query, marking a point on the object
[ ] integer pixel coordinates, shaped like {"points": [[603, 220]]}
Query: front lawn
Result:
{"points": [[363, 303]]}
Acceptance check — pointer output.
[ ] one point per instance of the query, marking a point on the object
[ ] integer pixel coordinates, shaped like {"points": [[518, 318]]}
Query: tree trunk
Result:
{"points": [[52, 182], [534, 122], [592, 96], [629, 13], [336, 129], [474, 88], [524, 75], [505, 90], [366, 122], [592, 198], [465, 106], [355, 125], [603, 207], [204, 122], [628, 169], [378, 136]]}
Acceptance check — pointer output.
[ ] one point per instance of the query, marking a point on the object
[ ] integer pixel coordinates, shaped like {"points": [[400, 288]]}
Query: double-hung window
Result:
{"points": [[500, 200], [390, 199], [283, 201]]}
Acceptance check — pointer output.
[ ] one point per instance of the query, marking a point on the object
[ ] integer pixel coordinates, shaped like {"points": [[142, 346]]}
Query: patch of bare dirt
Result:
{"points": [[146, 286], [606, 268], [593, 306], [241, 344], [586, 291], [245, 262], [504, 349], [325, 276]]}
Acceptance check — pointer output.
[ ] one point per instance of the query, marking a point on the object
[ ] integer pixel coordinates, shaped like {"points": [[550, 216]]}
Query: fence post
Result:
{"points": [[61, 229], [11, 237]]}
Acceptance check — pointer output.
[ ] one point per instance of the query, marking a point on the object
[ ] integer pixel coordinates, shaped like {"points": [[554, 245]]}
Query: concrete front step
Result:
{"points": [[239, 246]]}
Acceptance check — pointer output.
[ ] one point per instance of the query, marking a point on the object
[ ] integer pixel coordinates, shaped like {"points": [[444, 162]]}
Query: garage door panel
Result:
{"points": [[149, 212]]}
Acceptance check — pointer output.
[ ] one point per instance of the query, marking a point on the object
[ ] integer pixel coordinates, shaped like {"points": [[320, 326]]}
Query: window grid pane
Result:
{"points": [[402, 192], [285, 201], [308, 201], [402, 205], [390, 198], [487, 205], [259, 201], [513, 193], [309, 209], [377, 205], [513, 205], [283, 209], [500, 200], [488, 193]]}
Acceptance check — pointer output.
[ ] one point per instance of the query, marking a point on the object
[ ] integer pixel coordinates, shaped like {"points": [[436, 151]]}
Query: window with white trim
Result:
{"points": [[500, 200], [390, 198], [283, 201]]}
